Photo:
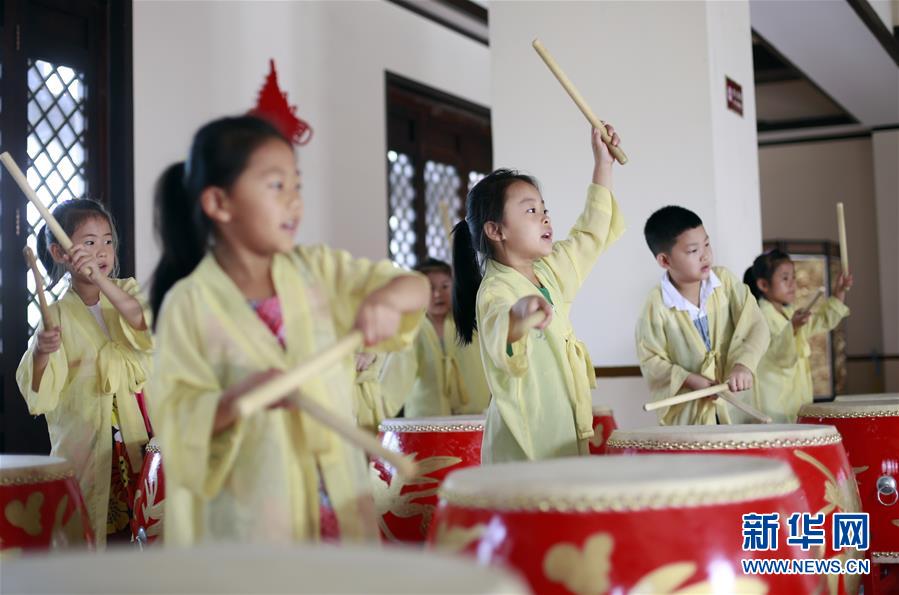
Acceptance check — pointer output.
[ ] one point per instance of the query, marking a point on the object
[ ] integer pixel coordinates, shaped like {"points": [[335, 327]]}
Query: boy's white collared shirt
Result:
{"points": [[672, 298]]}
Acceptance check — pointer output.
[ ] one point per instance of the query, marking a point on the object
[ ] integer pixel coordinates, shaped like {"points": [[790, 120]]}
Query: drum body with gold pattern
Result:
{"points": [[870, 430], [41, 505], [149, 497], [617, 524], [603, 426], [438, 445], [814, 452]]}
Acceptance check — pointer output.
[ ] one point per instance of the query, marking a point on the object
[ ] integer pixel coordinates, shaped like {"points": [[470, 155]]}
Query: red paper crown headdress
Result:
{"points": [[272, 105]]}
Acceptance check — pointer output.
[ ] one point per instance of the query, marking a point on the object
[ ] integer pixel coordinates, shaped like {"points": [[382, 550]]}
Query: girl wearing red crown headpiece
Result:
{"points": [[237, 301]]}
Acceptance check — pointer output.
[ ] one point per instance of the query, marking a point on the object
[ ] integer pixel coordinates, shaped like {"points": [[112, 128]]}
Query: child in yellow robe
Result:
{"points": [[699, 327], [437, 376], [237, 302], [784, 373], [540, 380], [83, 373]]}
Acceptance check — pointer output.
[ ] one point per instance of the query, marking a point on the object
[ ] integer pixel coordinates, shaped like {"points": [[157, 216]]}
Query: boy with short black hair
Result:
{"points": [[699, 327]]}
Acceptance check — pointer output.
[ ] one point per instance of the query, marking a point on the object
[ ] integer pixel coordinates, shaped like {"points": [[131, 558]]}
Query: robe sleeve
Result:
{"points": [[751, 335], [55, 376], [597, 228], [665, 377], [827, 317], [183, 396], [494, 303], [137, 340]]}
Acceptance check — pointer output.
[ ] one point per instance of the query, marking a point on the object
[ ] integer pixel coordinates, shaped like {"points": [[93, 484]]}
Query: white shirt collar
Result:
{"points": [[672, 298]]}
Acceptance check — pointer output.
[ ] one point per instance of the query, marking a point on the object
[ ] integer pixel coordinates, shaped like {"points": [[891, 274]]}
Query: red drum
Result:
{"points": [[603, 426], [439, 445], [814, 452], [614, 524], [884, 577], [146, 526], [41, 503], [870, 432]]}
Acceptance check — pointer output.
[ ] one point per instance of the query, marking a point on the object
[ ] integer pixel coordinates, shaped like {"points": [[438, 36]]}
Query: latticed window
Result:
{"points": [[442, 199], [401, 219], [437, 146], [56, 152]]}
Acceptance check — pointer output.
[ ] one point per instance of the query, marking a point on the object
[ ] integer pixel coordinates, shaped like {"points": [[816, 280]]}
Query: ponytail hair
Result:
{"points": [[466, 281], [471, 247], [763, 267], [750, 280], [218, 156], [71, 214]]}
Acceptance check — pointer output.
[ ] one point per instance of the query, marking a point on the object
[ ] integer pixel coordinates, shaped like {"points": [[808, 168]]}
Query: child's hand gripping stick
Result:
{"points": [[58, 232], [579, 101]]}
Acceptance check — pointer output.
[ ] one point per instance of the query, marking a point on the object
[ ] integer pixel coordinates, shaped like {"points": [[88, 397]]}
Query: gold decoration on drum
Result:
{"points": [[597, 438], [26, 517], [456, 539], [664, 581], [582, 571], [151, 509], [859, 470], [389, 497], [840, 496], [70, 533]]}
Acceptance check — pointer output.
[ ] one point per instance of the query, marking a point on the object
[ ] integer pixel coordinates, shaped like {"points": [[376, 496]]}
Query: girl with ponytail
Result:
{"points": [[237, 302], [506, 268], [784, 372], [85, 374]]}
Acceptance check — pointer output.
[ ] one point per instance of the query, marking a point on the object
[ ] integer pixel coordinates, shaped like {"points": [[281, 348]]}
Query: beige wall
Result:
{"points": [[801, 184]]}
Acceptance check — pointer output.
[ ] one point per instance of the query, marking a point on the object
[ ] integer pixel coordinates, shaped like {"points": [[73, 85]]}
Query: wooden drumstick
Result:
{"points": [[55, 228], [579, 100], [39, 288], [447, 220], [844, 247], [277, 388], [748, 409], [691, 396], [812, 303]]}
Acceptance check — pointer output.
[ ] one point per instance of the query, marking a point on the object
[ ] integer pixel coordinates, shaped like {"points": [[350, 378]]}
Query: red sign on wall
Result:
{"points": [[734, 96]]}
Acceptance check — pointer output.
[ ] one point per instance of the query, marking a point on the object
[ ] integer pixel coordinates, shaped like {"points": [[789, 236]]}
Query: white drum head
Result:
{"points": [[616, 483], [725, 437], [32, 468], [869, 397], [452, 423], [256, 569], [852, 408]]}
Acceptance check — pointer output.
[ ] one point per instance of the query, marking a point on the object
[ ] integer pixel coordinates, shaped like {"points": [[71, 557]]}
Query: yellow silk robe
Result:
{"points": [[785, 374], [258, 480], [436, 378], [542, 405], [368, 403], [670, 348], [78, 387]]}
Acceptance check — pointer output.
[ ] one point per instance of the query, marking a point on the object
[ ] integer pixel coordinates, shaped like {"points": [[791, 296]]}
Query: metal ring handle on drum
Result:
{"points": [[887, 493]]}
